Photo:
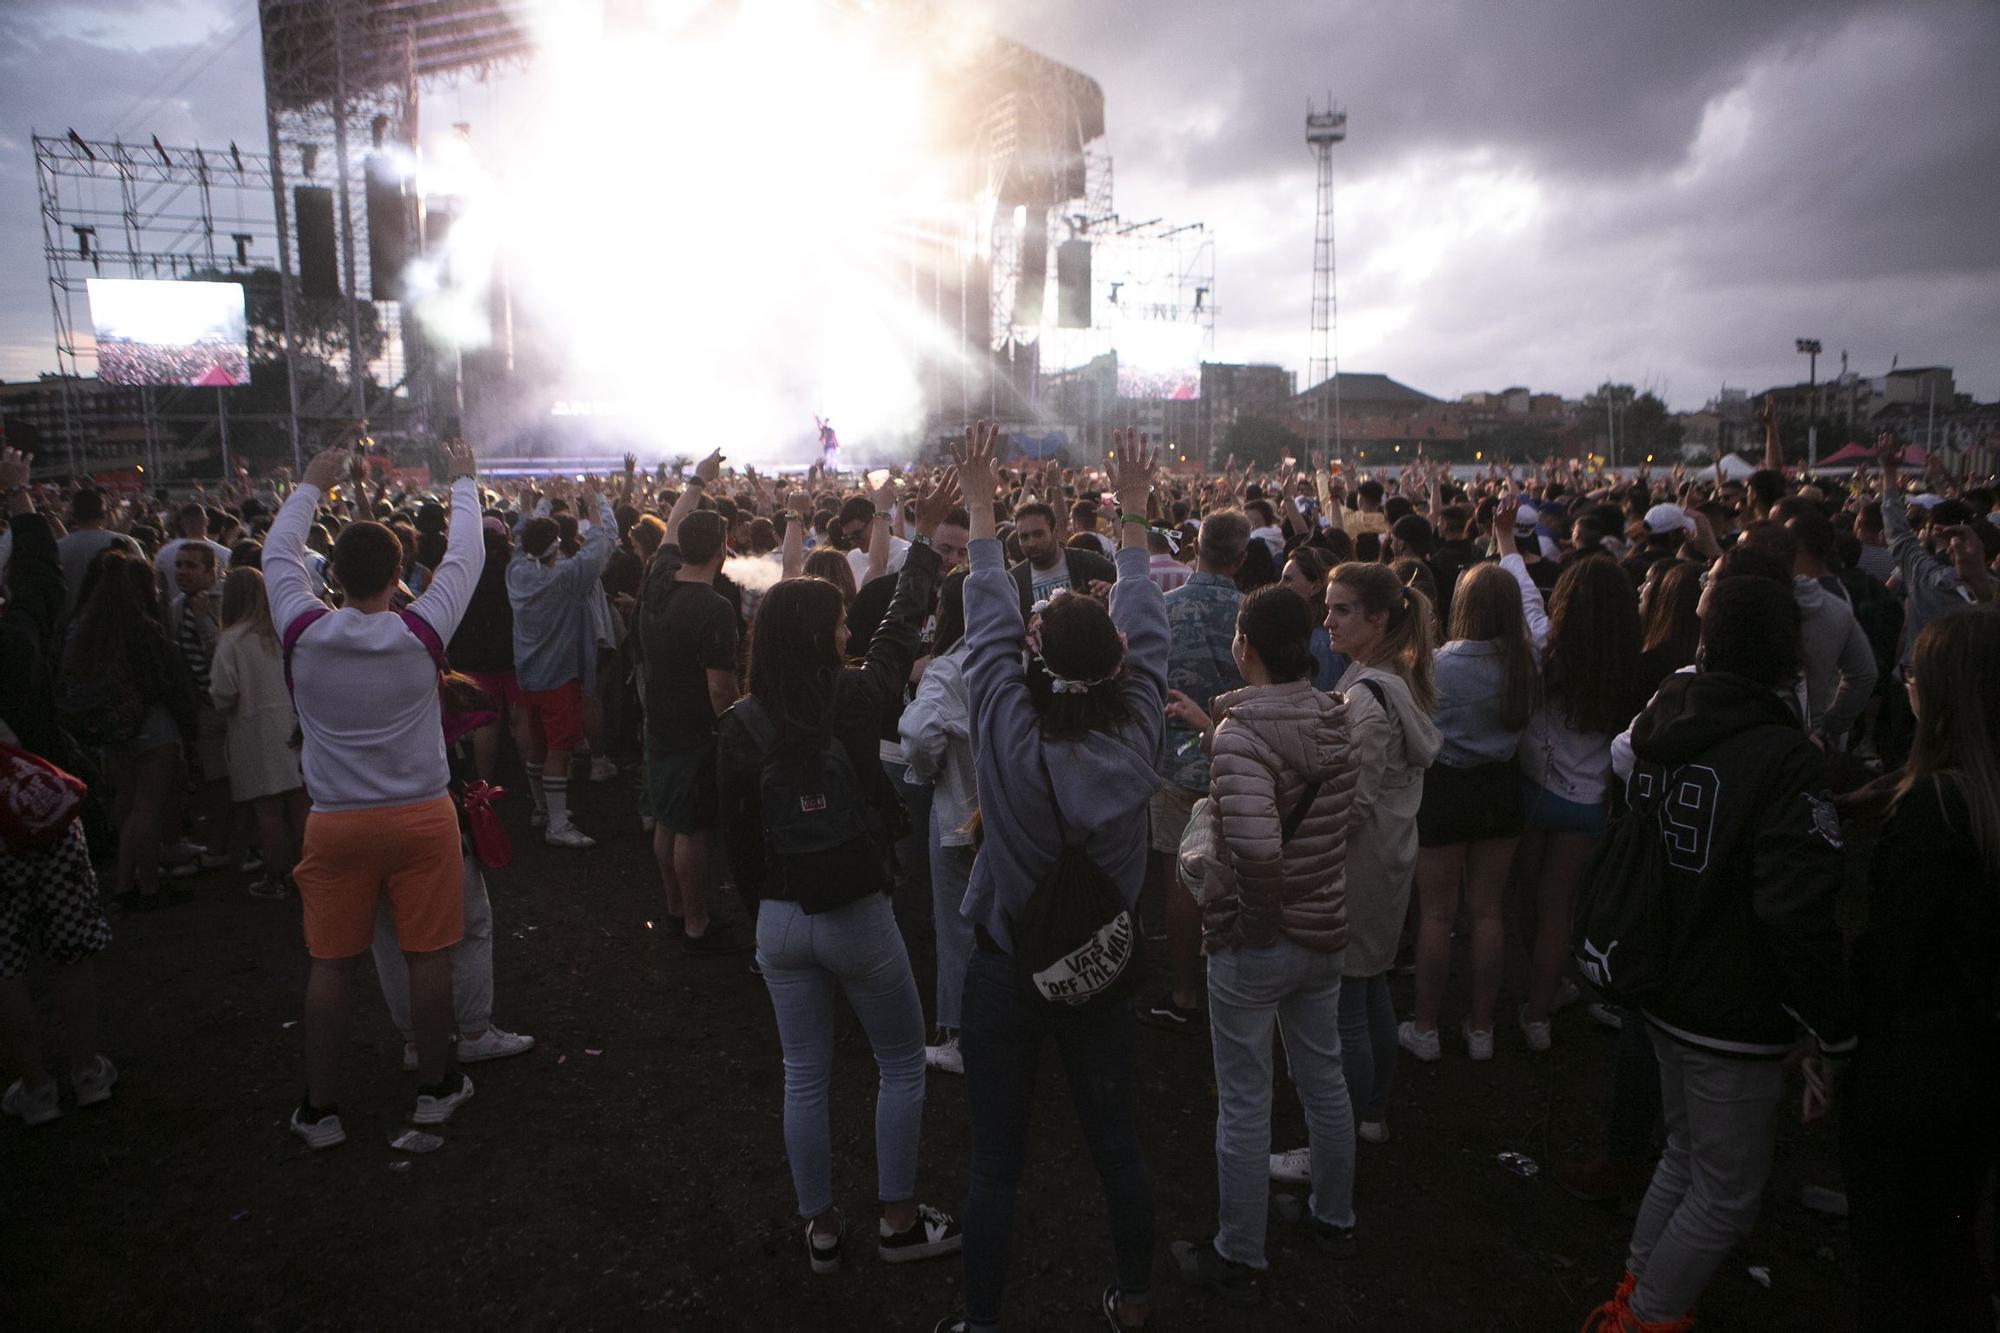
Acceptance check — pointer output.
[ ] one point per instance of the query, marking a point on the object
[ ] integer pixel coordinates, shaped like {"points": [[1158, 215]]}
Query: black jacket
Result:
{"points": [[1085, 568], [1754, 859], [36, 595], [1930, 954], [861, 696]]}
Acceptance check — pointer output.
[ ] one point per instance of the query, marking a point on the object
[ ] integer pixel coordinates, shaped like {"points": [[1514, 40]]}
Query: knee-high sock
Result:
{"points": [[557, 791]]}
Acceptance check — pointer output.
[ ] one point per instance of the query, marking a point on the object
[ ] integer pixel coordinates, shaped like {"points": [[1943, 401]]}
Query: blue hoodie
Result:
{"points": [[1102, 781]]}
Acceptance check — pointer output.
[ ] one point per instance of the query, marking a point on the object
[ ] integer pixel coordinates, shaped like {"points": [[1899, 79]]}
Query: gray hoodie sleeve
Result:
{"points": [[1857, 684]]}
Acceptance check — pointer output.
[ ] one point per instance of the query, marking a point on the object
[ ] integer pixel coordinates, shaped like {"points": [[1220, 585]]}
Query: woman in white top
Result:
{"points": [[937, 733], [247, 686], [1589, 642]]}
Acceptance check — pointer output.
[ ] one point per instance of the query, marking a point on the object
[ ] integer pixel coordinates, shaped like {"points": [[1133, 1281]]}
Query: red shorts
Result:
{"points": [[503, 688], [556, 715], [352, 857]]}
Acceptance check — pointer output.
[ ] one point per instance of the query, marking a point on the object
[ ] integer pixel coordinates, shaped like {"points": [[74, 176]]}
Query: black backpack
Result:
{"points": [[824, 843], [1625, 932], [1075, 940]]}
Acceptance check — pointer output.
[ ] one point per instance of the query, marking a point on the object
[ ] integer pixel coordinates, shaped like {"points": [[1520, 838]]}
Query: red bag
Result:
{"points": [[490, 844], [38, 801]]}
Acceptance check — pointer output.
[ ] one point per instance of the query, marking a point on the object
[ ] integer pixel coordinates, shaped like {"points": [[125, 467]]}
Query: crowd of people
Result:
{"points": [[1284, 731]]}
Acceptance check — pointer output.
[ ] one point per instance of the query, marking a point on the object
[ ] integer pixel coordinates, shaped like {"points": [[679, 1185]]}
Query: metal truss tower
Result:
{"points": [[1324, 129]]}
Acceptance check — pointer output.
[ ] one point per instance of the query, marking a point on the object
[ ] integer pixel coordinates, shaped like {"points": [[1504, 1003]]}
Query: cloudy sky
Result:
{"points": [[1545, 192]]}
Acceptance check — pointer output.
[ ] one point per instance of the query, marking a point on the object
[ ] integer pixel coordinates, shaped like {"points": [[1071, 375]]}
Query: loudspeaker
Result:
{"points": [[1073, 285], [1034, 271], [319, 262], [388, 228]]}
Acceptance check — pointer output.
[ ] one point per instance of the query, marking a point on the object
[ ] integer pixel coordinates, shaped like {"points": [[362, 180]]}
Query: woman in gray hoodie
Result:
{"points": [[1071, 757]]}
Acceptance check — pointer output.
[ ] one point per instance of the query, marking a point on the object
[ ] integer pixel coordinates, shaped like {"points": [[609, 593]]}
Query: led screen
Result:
{"points": [[159, 332]]}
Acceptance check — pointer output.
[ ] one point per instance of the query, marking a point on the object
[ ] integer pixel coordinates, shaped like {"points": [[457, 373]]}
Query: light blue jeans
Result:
{"points": [[951, 871], [1250, 992], [854, 949]]}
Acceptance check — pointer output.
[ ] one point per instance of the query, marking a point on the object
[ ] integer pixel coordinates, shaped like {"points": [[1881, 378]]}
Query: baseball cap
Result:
{"points": [[494, 525], [1526, 517], [1662, 519]]}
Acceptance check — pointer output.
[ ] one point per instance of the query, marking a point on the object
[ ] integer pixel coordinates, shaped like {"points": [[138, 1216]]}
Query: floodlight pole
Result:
{"points": [[354, 359], [1811, 348]]}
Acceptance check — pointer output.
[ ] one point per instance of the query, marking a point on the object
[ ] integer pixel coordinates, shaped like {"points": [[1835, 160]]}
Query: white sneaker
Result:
{"points": [[434, 1110], [322, 1133], [93, 1085], [602, 769], [569, 835], [539, 819], [35, 1106], [1566, 995], [495, 1044], [1372, 1131], [945, 1056], [1293, 1167], [1536, 1033], [1424, 1045], [1478, 1045]]}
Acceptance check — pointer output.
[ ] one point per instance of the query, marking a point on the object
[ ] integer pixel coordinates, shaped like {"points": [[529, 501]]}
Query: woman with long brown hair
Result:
{"points": [[125, 692], [247, 685], [1471, 816], [1384, 627], [806, 812], [1589, 640], [1920, 1128], [1670, 621]]}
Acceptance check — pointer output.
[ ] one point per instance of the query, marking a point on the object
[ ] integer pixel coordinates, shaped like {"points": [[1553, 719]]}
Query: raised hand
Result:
{"points": [[708, 469], [935, 500], [631, 464], [884, 496], [1133, 460], [459, 462], [978, 467], [327, 465], [1888, 452]]}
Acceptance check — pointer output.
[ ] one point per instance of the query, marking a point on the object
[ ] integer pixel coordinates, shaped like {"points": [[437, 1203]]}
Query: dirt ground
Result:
{"points": [[629, 1171]]}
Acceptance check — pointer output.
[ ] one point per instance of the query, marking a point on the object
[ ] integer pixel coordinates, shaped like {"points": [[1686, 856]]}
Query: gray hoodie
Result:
{"points": [[1839, 665], [1101, 783]]}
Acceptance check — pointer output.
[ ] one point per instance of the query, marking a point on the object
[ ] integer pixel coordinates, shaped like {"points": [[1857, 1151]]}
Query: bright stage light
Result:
{"points": [[715, 212]]}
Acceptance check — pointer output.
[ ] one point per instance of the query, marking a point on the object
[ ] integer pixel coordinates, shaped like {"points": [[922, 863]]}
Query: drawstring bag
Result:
{"points": [[38, 801]]}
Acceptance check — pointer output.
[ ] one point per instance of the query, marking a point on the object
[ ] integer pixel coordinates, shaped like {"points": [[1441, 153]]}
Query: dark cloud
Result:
{"points": [[1550, 193]]}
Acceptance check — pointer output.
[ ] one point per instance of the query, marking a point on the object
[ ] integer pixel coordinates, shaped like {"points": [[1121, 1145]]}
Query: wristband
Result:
{"points": [[919, 539], [1140, 519]]}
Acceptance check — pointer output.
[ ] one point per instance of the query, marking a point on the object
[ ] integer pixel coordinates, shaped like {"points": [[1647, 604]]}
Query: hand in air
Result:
{"points": [[978, 468]]}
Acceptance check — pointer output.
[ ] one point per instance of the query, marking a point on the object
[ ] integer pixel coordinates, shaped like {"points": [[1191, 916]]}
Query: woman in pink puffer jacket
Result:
{"points": [[1283, 781]]}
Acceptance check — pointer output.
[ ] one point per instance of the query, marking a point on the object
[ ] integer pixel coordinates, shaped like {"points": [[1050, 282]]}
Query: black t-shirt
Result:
{"points": [[689, 630], [484, 640]]}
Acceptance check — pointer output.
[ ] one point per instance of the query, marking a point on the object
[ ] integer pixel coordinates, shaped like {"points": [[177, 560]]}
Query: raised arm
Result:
{"points": [[285, 582], [450, 590], [894, 647], [1138, 607], [793, 549], [1510, 560], [706, 471]]}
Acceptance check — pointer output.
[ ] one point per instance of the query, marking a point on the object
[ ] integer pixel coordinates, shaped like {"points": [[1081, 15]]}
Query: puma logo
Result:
{"points": [[1597, 963]]}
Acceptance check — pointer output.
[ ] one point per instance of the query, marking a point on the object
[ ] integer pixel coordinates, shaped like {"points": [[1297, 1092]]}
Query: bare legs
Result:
{"points": [[76, 1000], [145, 782], [281, 829], [329, 1001], [1552, 867], [683, 862]]}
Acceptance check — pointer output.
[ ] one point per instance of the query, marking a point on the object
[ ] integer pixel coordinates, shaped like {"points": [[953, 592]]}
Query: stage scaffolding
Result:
{"points": [[110, 209]]}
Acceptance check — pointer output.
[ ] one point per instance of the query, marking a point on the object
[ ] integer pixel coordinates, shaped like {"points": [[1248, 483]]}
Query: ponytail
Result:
{"points": [[1408, 636]]}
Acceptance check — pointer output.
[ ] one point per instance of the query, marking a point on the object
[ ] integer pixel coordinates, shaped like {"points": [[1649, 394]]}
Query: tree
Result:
{"points": [[1259, 442], [1646, 429]]}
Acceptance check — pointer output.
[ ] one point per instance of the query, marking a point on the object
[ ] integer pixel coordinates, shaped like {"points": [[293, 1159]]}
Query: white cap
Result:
{"points": [[1662, 519], [1526, 517]]}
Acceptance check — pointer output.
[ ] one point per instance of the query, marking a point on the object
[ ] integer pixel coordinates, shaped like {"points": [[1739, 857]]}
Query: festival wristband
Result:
{"points": [[1140, 519]]}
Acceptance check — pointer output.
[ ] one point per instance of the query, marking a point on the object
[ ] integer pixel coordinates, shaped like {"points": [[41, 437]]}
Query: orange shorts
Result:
{"points": [[410, 852], [557, 714]]}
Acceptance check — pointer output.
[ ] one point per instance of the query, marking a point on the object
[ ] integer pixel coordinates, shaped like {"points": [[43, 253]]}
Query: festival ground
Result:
{"points": [[629, 1171]]}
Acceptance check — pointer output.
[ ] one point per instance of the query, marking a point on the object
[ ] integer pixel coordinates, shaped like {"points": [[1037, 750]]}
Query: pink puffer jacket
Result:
{"points": [[1274, 740]]}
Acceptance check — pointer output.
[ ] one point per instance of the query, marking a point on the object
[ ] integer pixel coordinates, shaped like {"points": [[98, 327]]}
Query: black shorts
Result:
{"points": [[1469, 804], [680, 788]]}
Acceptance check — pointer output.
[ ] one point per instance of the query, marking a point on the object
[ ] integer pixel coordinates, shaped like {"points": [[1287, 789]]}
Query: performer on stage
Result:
{"points": [[829, 445]]}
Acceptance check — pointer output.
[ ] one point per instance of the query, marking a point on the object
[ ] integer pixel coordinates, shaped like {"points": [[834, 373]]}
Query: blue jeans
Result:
{"points": [[951, 871], [913, 864], [1251, 991], [1367, 1044], [806, 959], [1001, 1036]]}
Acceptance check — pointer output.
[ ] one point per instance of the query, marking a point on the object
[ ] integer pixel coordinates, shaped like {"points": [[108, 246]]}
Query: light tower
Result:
{"points": [[1324, 129]]}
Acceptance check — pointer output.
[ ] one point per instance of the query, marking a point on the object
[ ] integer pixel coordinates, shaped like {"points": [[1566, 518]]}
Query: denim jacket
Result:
{"points": [[1201, 616]]}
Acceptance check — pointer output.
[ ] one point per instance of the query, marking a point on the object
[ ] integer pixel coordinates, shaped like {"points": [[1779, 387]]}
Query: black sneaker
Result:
{"points": [[934, 1233], [719, 941], [1201, 1266], [1332, 1241], [823, 1252], [1164, 1013]]}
